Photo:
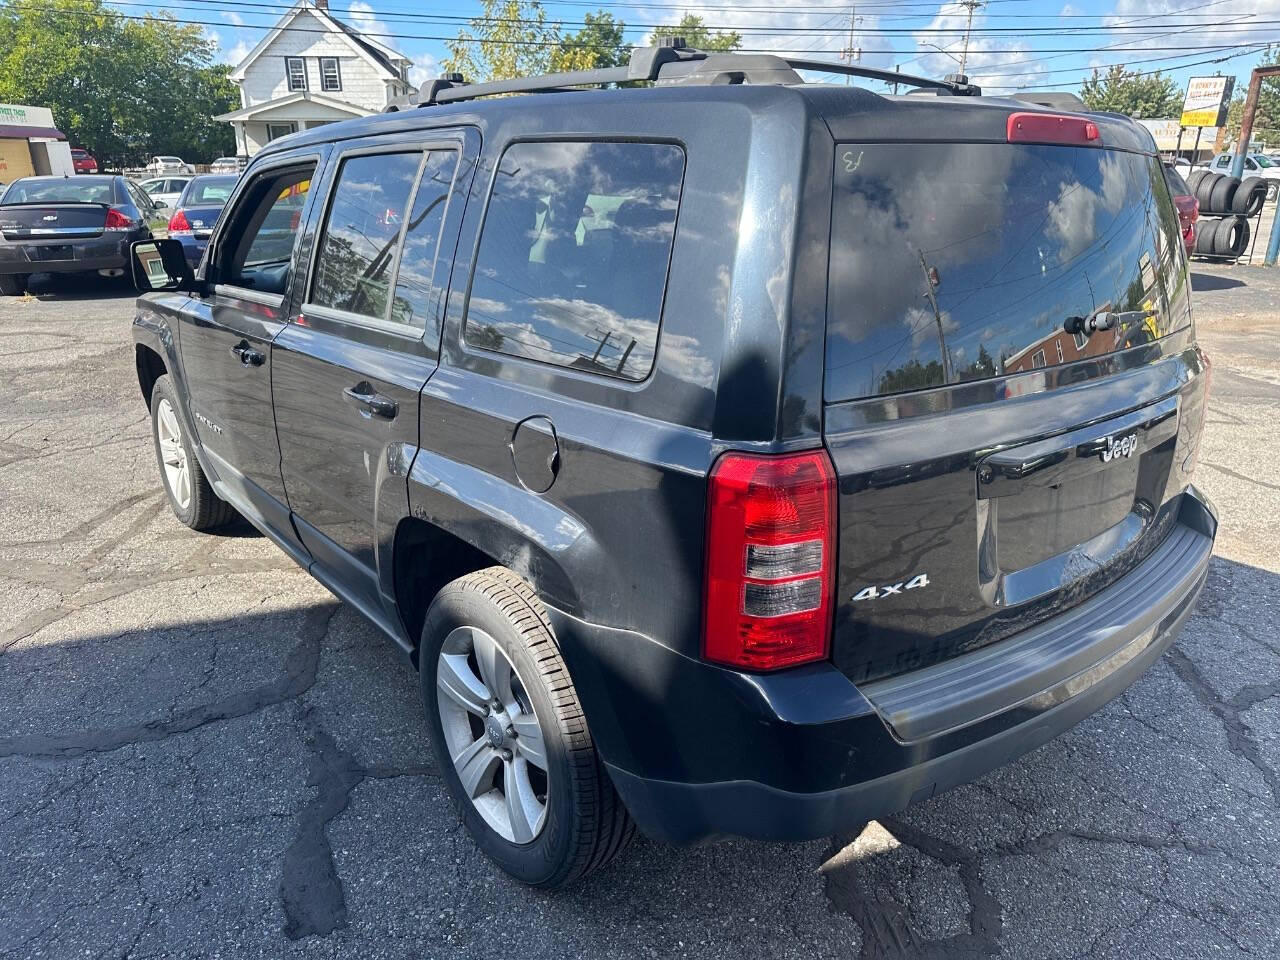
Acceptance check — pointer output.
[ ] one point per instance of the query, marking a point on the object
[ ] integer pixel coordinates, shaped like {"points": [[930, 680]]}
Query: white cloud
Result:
{"points": [[235, 18], [425, 67], [237, 53]]}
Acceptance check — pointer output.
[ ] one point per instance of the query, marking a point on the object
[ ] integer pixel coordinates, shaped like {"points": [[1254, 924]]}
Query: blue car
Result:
{"points": [[197, 211]]}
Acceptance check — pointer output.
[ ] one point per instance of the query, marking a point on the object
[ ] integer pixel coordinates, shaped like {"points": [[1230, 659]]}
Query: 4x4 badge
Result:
{"points": [[1118, 447], [875, 593]]}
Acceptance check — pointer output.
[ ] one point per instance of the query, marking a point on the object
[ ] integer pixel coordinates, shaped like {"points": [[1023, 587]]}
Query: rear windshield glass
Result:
{"points": [[954, 262], [1177, 186], [210, 193], [60, 191]]}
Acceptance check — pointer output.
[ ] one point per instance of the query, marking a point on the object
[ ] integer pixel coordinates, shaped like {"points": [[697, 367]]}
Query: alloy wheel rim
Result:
{"points": [[492, 734], [173, 455]]}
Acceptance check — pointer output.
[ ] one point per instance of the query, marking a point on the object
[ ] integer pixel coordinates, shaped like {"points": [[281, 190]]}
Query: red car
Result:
{"points": [[83, 160], [1188, 206]]}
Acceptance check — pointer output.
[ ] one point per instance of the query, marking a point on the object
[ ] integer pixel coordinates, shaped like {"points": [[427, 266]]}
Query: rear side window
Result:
{"points": [[962, 261], [358, 243], [574, 252], [416, 294]]}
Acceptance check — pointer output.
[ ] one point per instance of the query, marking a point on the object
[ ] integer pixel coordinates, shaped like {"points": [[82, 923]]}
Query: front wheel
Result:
{"points": [[510, 735], [190, 494]]}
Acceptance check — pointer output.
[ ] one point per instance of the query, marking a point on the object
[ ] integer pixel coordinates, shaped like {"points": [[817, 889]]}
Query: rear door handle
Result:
{"points": [[247, 355], [371, 403]]}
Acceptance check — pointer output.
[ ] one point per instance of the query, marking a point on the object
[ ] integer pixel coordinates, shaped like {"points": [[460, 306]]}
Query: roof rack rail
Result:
{"points": [[670, 61]]}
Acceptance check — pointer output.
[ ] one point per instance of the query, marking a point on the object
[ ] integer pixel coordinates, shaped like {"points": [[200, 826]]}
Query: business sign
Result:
{"points": [[1165, 133], [1207, 100], [13, 115]]}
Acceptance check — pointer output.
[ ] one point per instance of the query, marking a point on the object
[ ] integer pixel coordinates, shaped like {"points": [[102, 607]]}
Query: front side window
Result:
{"points": [[263, 230], [358, 242], [330, 75], [573, 257], [296, 69]]}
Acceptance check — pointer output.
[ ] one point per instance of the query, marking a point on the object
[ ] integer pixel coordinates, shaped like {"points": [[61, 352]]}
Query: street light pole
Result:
{"points": [[970, 6]]}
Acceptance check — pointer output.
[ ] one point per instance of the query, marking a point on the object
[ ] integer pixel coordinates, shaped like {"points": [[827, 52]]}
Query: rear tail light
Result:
{"points": [[178, 224], [1052, 128], [770, 560], [117, 220]]}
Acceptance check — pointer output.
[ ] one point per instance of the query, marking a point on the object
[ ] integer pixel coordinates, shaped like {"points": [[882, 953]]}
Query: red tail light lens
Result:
{"points": [[770, 560], [117, 220], [1052, 128], [178, 223]]}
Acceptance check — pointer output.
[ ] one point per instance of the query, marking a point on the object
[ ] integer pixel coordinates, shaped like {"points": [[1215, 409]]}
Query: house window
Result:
{"points": [[1037, 359], [330, 76], [1058, 344], [277, 130], [296, 68], [1082, 338]]}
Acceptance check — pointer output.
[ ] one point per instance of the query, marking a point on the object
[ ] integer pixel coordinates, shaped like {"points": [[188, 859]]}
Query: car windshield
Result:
{"points": [[1264, 161], [209, 192], [64, 190]]}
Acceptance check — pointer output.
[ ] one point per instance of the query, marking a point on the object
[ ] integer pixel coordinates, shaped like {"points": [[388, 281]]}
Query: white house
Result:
{"points": [[311, 69]]}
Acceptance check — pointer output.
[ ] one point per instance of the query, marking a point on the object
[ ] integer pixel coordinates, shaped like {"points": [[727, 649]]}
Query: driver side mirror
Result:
{"points": [[159, 265]]}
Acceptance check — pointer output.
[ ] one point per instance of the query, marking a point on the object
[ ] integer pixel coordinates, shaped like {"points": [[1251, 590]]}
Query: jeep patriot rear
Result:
{"points": [[725, 463]]}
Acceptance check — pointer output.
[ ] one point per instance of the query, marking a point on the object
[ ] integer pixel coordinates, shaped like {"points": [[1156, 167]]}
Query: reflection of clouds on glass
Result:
{"points": [[1074, 215]]}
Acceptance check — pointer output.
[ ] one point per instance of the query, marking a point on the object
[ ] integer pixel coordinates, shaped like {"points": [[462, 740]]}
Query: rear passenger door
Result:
{"points": [[363, 340]]}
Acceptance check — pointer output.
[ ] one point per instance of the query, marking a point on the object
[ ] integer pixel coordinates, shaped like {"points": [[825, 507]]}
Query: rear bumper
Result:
{"points": [[696, 751], [98, 253]]}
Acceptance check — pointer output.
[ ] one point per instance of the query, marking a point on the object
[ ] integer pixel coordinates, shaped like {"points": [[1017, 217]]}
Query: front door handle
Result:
{"points": [[247, 355], [371, 403]]}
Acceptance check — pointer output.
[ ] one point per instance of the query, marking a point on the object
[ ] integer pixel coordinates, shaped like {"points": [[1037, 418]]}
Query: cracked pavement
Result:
{"points": [[203, 754]]}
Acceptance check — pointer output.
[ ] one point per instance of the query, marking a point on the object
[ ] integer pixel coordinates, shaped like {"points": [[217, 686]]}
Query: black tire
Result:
{"points": [[1248, 198], [1205, 231], [586, 823], [1193, 179], [1224, 192], [1231, 237], [1204, 190], [13, 284], [204, 510]]}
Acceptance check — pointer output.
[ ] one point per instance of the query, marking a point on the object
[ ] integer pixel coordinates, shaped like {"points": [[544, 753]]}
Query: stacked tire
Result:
{"points": [[1231, 200], [1227, 237]]}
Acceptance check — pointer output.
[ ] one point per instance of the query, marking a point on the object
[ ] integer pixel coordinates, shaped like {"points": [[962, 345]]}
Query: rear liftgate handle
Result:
{"points": [[370, 402]]}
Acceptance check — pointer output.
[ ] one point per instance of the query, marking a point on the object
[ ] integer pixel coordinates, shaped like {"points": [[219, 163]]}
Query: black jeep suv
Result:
{"points": [[730, 454]]}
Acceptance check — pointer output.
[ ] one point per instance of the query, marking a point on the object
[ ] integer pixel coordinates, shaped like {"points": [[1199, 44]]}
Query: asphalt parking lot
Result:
{"points": [[203, 754]]}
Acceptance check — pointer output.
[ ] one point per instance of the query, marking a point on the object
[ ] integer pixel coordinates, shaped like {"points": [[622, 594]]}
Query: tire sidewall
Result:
{"points": [[162, 390], [542, 861]]}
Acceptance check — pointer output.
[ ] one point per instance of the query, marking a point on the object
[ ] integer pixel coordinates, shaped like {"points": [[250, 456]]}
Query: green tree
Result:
{"points": [[1151, 96], [697, 35], [123, 88], [597, 45], [509, 38]]}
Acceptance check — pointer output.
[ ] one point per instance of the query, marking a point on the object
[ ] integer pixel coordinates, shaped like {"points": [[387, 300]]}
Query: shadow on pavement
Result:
{"points": [[1202, 282]]}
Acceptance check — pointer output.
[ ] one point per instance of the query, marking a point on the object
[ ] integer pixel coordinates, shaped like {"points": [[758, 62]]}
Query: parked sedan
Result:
{"points": [[1187, 205], [197, 211], [226, 165], [69, 225], [83, 160], [165, 191], [164, 165]]}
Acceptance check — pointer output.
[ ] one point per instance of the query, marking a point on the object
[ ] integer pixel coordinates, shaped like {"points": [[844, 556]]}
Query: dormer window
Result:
{"points": [[296, 68], [330, 75]]}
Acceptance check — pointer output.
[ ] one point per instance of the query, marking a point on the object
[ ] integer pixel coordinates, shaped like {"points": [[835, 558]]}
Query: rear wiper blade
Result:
{"points": [[1105, 320]]}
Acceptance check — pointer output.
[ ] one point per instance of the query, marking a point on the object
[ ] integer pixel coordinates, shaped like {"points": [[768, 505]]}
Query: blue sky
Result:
{"points": [[1015, 43]]}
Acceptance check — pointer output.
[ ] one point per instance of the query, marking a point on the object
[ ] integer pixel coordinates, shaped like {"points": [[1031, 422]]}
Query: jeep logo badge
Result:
{"points": [[1118, 447]]}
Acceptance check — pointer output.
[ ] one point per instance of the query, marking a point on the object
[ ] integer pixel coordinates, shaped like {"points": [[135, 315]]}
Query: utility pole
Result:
{"points": [[851, 53], [970, 6], [1246, 136]]}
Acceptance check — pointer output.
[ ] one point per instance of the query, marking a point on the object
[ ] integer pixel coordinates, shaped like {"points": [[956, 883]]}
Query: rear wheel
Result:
{"points": [[13, 284], [510, 735], [190, 494]]}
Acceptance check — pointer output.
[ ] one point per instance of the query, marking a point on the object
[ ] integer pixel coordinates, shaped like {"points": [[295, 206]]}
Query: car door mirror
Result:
{"points": [[159, 265]]}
